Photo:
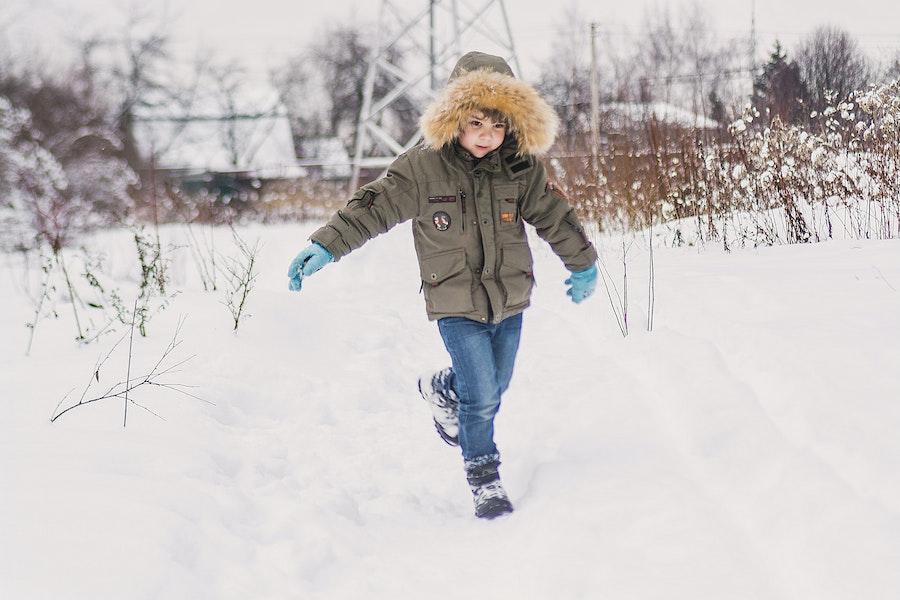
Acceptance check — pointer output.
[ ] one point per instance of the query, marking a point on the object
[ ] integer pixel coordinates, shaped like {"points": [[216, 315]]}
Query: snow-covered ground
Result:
{"points": [[747, 448]]}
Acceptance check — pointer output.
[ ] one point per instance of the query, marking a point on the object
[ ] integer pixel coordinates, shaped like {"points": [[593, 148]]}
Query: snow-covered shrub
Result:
{"points": [[33, 209], [45, 204], [754, 182], [836, 176], [876, 148], [53, 191]]}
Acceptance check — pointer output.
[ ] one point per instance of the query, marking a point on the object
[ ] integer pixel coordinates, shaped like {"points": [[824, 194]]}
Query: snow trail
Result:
{"points": [[747, 448]]}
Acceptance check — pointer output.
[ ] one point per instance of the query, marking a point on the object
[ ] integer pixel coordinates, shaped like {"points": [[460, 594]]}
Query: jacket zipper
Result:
{"points": [[462, 204]]}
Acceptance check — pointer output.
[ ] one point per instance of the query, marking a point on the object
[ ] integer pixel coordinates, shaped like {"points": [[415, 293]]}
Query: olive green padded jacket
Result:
{"points": [[468, 214]]}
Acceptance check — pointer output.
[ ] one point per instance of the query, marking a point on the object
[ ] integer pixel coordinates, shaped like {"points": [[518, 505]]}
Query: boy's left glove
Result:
{"points": [[583, 284], [310, 260]]}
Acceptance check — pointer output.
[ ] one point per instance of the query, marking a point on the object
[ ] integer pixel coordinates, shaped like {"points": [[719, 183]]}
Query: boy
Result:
{"points": [[468, 188]]}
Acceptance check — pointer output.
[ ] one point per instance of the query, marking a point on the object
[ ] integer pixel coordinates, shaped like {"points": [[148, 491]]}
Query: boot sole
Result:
{"points": [[493, 508], [450, 440]]}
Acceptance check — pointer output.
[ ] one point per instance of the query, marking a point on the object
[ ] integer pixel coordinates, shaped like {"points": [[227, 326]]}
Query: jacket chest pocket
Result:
{"points": [[506, 203], [442, 211]]}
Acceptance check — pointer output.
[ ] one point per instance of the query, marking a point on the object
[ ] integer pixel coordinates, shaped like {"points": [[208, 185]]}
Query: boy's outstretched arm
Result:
{"points": [[373, 209], [545, 207]]}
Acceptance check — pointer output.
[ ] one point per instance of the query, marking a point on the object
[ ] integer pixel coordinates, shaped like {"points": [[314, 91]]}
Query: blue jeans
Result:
{"points": [[483, 355]]}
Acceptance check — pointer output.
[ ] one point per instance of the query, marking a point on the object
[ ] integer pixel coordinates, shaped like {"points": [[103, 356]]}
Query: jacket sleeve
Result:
{"points": [[545, 207], [374, 208]]}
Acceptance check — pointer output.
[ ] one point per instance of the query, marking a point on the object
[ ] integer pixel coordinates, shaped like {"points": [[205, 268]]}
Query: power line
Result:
{"points": [[211, 118]]}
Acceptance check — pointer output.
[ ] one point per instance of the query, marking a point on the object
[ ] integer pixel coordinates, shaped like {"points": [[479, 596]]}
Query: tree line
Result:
{"points": [[70, 159]]}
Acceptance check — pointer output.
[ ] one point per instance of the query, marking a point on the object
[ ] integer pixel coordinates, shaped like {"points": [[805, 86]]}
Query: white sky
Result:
{"points": [[260, 33]]}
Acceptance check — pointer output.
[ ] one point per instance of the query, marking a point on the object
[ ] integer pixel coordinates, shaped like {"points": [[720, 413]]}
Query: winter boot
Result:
{"points": [[487, 490], [435, 389]]}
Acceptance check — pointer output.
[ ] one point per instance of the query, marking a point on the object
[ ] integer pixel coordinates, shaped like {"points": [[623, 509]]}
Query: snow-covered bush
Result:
{"points": [[53, 191], [33, 209], [877, 149], [839, 176]]}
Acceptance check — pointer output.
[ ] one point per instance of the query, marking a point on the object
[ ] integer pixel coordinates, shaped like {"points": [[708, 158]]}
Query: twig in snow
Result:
{"points": [[614, 302], [47, 267], [651, 285], [624, 286], [204, 256], [128, 371], [124, 389], [883, 278], [241, 273], [73, 296]]}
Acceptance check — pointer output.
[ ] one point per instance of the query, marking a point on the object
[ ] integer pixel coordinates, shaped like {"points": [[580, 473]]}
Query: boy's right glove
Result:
{"points": [[583, 284], [310, 260]]}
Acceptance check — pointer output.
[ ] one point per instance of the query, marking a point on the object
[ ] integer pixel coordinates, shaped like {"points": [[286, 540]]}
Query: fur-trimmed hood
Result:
{"points": [[483, 81]]}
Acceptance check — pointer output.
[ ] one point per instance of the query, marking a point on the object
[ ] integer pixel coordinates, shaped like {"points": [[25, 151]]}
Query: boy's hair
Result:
{"points": [[481, 81], [495, 115]]}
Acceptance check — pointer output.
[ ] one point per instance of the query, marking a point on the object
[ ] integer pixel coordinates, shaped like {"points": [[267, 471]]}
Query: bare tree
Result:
{"points": [[891, 71], [229, 83], [660, 51], [709, 60], [831, 61], [296, 82], [340, 55], [680, 60], [565, 77], [323, 85], [140, 74]]}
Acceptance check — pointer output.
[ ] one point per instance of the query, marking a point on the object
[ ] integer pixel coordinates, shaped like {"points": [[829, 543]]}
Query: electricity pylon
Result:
{"points": [[428, 43]]}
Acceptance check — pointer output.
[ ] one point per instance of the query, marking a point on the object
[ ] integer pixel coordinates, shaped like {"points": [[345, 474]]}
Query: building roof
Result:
{"points": [[623, 114], [328, 154], [257, 143]]}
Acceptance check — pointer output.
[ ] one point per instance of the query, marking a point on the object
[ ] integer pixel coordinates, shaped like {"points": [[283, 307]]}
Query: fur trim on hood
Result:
{"points": [[488, 85]]}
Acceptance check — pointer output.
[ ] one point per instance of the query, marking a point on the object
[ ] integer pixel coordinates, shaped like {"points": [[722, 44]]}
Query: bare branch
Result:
{"points": [[124, 389]]}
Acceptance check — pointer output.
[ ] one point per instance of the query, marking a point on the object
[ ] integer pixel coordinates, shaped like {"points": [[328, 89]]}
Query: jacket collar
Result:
{"points": [[489, 162], [492, 161]]}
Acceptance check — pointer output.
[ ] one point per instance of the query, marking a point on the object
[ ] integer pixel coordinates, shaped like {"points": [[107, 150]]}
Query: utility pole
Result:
{"points": [[751, 62], [433, 82], [595, 101]]}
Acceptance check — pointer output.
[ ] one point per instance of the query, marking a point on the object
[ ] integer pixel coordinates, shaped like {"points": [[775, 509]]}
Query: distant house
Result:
{"points": [[628, 125], [257, 145], [623, 116]]}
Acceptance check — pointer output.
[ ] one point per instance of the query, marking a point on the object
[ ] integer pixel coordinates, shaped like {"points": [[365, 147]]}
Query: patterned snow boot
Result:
{"points": [[435, 389], [484, 479]]}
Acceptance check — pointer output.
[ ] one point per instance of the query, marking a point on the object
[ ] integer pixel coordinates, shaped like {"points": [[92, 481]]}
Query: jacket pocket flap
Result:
{"points": [[518, 256], [506, 191], [439, 267]]}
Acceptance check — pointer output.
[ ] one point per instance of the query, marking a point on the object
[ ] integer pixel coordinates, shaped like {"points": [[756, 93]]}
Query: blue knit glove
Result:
{"points": [[583, 284], [310, 260]]}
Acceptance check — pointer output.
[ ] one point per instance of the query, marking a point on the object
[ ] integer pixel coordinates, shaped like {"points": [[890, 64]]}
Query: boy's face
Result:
{"points": [[481, 135]]}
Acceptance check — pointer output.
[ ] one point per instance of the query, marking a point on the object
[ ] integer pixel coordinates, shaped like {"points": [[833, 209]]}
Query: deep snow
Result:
{"points": [[746, 448]]}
